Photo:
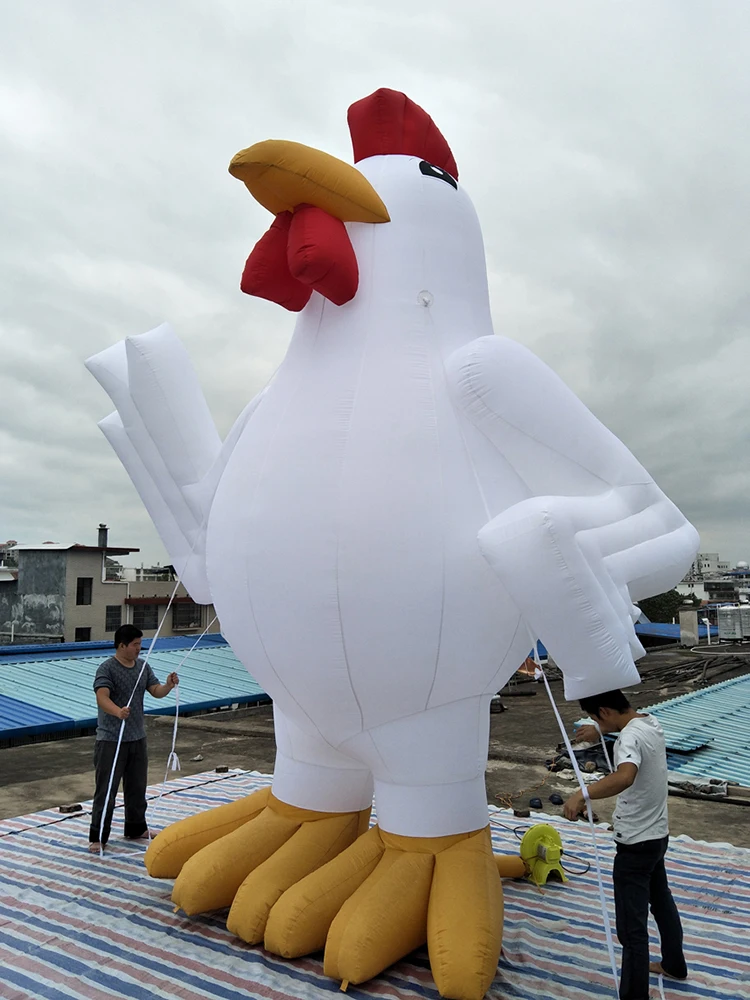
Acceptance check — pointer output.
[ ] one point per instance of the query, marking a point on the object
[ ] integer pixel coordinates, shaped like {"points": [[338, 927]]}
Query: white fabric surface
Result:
{"points": [[406, 491]]}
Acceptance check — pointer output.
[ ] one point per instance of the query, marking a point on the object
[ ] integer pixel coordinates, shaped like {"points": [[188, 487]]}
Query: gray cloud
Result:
{"points": [[605, 145]]}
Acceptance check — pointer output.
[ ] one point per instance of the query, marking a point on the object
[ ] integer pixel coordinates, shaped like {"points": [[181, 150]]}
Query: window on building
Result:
{"points": [[113, 617], [186, 615], [83, 634], [146, 616], [83, 589]]}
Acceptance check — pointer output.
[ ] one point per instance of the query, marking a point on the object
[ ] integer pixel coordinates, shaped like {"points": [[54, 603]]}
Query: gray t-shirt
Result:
{"points": [[120, 680], [641, 810]]}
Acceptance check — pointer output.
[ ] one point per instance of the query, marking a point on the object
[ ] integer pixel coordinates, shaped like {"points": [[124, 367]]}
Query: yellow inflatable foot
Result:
{"points": [[316, 842], [386, 895], [176, 844], [303, 840]]}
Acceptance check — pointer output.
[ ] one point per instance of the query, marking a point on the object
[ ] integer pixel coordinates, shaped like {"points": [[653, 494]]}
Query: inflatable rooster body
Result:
{"points": [[360, 474], [406, 504]]}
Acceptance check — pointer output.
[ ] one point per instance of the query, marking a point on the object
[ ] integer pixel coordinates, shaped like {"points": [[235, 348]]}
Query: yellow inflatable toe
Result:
{"points": [[299, 923], [210, 879], [387, 895], [465, 926], [384, 919], [302, 881], [176, 844], [314, 844]]}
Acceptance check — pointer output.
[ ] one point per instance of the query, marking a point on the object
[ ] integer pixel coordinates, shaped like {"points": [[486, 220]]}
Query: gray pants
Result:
{"points": [[132, 770]]}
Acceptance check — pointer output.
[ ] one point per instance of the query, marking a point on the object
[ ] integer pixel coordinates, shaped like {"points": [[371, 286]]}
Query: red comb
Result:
{"points": [[388, 123]]}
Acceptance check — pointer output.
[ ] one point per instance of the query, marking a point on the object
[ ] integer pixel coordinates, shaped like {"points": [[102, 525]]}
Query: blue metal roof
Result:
{"points": [[708, 731], [52, 650], [17, 715], [668, 630], [53, 691]]}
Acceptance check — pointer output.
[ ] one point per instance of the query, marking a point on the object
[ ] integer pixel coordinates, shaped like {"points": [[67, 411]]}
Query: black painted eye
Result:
{"points": [[430, 170]]}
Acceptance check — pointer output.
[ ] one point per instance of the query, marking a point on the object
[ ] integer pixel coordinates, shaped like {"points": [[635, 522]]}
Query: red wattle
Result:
{"points": [[267, 274], [320, 254]]}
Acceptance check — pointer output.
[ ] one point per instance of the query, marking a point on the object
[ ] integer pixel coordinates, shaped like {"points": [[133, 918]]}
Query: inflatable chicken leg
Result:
{"points": [[409, 499]]}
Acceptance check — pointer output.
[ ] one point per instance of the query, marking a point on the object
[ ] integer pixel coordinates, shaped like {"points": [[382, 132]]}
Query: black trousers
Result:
{"points": [[132, 770], [640, 881]]}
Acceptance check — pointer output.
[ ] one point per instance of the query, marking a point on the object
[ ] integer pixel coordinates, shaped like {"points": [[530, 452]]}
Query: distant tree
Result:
{"points": [[666, 607]]}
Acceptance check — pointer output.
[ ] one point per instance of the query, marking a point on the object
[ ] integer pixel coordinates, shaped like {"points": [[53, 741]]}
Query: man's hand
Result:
{"points": [[123, 713], [162, 690], [587, 734], [574, 806], [604, 788]]}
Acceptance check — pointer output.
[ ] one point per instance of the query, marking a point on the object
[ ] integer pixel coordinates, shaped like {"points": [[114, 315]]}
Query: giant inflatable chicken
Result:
{"points": [[407, 504]]}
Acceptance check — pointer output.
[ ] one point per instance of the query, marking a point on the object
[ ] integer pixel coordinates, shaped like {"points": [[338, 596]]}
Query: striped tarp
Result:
{"points": [[75, 926]]}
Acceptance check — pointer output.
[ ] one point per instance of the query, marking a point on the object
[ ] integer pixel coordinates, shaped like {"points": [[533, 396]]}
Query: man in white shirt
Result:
{"points": [[641, 837]]}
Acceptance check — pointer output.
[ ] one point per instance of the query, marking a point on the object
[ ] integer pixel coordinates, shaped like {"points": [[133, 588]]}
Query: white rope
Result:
{"points": [[173, 761], [604, 746], [587, 800], [123, 721], [661, 987]]}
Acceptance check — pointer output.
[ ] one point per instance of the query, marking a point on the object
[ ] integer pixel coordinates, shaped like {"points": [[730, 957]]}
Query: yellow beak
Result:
{"points": [[282, 175]]}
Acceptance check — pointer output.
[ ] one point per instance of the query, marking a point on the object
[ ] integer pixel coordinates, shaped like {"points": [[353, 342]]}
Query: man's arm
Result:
{"points": [[106, 704], [587, 734], [162, 690], [605, 788]]}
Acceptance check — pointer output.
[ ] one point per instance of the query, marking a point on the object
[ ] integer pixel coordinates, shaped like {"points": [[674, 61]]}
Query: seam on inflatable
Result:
{"points": [[147, 359], [246, 574], [121, 396], [370, 862], [583, 600], [267, 168], [230, 825], [507, 650], [344, 458], [461, 416], [468, 380], [431, 328], [421, 711], [113, 429], [376, 748], [360, 769], [332, 851]]}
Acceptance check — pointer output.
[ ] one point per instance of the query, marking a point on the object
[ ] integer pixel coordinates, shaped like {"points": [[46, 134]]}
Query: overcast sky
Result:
{"points": [[605, 144]]}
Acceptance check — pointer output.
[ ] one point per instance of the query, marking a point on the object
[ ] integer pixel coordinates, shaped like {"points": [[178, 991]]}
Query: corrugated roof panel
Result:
{"points": [[18, 716], [713, 723], [62, 686], [669, 630], [683, 742], [53, 650]]}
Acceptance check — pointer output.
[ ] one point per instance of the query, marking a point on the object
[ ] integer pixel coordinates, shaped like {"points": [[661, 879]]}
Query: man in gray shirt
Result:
{"points": [[120, 684], [641, 837]]}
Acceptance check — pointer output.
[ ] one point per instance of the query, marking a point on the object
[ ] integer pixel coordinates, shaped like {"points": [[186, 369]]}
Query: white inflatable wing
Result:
{"points": [[596, 532], [170, 532], [164, 436]]}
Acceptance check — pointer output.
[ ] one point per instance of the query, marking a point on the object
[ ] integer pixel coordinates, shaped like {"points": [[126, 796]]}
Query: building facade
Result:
{"points": [[705, 566], [74, 593]]}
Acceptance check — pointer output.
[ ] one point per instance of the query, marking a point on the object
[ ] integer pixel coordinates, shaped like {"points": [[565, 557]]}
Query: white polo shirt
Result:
{"points": [[641, 810]]}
